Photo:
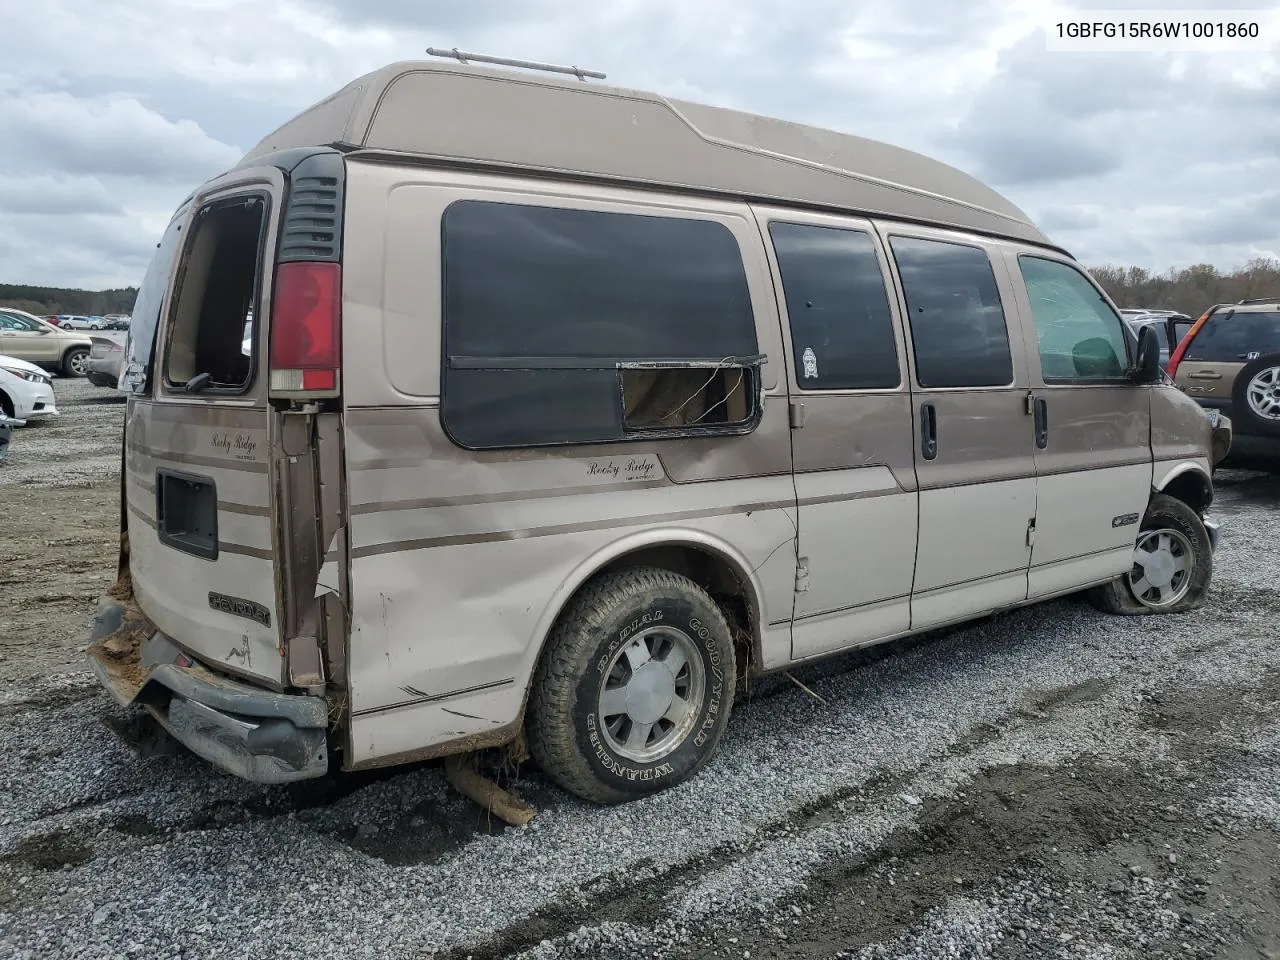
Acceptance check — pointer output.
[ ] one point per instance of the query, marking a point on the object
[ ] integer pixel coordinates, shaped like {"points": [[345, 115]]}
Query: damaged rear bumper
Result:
{"points": [[256, 734]]}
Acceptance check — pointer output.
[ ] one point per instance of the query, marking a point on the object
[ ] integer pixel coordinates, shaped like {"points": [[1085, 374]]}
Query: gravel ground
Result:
{"points": [[1047, 783]]}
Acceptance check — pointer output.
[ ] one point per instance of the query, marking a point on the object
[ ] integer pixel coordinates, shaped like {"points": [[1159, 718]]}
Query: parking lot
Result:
{"points": [[1047, 783]]}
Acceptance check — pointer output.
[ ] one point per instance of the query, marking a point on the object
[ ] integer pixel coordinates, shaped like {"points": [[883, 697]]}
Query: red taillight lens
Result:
{"points": [[1172, 368], [306, 328]]}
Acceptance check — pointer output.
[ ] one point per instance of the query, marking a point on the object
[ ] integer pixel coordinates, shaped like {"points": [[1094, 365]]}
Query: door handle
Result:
{"points": [[1205, 375], [1042, 422], [928, 431]]}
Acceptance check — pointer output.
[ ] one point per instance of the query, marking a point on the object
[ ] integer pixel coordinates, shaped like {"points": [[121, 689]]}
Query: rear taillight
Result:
{"points": [[305, 356], [1172, 368]]}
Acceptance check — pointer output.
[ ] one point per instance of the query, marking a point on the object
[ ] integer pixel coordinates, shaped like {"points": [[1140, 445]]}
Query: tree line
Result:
{"points": [[1191, 290], [45, 301]]}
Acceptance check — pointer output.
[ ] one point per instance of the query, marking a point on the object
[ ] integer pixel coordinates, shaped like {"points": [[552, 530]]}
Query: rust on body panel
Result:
{"points": [[847, 431]]}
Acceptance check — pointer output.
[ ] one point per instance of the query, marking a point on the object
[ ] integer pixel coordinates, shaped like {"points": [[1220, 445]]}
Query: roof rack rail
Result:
{"points": [[461, 57], [1260, 300]]}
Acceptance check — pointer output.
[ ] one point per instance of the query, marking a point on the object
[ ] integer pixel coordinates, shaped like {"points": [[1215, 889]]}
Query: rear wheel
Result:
{"points": [[1172, 564], [1255, 398], [76, 362], [635, 688]]}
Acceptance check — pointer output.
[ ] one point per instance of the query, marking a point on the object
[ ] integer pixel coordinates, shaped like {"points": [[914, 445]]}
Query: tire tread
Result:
{"points": [[571, 645]]}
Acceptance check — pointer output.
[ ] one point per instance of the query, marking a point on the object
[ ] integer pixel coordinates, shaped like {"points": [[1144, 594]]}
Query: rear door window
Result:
{"points": [[1229, 337], [217, 286], [841, 326], [958, 330], [580, 326]]}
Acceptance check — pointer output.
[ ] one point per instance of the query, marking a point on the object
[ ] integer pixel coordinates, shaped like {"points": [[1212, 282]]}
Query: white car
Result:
{"points": [[26, 391], [81, 323]]}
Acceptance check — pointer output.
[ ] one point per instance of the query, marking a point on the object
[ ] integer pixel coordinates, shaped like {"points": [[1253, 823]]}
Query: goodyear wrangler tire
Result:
{"points": [[635, 688]]}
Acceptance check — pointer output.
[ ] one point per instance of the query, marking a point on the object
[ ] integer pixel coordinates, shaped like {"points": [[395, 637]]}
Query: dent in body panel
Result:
{"points": [[173, 586], [460, 561], [1179, 427], [454, 616], [1095, 467], [845, 431]]}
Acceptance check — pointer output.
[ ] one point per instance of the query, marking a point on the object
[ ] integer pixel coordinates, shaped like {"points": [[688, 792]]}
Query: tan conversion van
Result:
{"points": [[565, 407]]}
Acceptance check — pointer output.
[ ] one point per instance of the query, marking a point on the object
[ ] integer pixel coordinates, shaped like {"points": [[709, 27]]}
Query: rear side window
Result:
{"points": [[217, 286], [1229, 337], [578, 326], [958, 328], [841, 326], [1080, 337]]}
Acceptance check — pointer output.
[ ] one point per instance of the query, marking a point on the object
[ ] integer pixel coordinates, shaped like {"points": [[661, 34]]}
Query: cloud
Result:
{"points": [[115, 136], [56, 196], [111, 111]]}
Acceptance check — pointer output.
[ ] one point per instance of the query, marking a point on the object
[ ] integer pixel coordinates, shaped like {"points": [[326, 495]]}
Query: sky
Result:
{"points": [[111, 112]]}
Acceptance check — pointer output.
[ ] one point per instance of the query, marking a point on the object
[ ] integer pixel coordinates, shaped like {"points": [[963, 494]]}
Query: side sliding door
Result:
{"points": [[850, 430], [974, 446]]}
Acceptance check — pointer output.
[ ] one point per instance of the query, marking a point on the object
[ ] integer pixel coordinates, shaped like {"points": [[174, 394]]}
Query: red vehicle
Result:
{"points": [[53, 321]]}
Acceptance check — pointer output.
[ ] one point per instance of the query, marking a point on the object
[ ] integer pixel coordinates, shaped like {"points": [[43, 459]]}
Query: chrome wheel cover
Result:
{"points": [[651, 694], [1163, 562]]}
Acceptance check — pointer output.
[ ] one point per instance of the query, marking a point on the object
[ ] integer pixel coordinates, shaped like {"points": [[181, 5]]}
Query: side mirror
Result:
{"points": [[1148, 367]]}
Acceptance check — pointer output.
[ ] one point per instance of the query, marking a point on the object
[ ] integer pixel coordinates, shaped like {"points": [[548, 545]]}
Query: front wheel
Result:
{"points": [[1172, 564], [635, 688]]}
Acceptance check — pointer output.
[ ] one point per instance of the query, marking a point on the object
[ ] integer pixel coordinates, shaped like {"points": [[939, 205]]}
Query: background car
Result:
{"points": [[26, 391], [77, 322], [1229, 361], [31, 339], [1170, 327], [105, 360]]}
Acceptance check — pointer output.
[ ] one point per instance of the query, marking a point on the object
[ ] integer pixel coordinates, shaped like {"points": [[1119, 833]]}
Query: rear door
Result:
{"points": [[199, 438]]}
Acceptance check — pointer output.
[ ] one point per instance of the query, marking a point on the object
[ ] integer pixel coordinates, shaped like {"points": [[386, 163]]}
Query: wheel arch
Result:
{"points": [[707, 560], [1190, 483]]}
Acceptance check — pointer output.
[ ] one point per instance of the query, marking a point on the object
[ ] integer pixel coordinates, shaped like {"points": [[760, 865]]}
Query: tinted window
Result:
{"points": [[841, 327], [957, 323], [1228, 337], [1079, 335], [541, 304]]}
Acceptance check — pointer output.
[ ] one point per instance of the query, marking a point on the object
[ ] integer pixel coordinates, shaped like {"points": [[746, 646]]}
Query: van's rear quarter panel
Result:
{"points": [[460, 560], [172, 585]]}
